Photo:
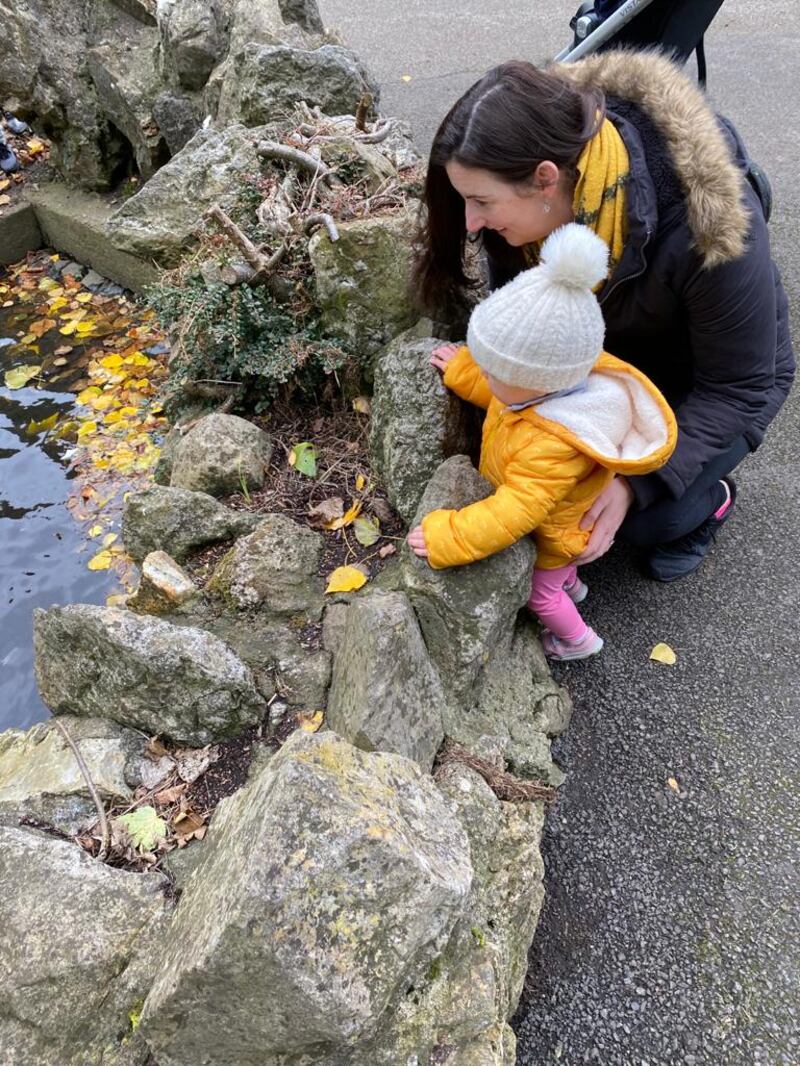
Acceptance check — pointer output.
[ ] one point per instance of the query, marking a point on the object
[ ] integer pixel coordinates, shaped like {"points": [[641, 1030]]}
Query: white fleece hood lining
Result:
{"points": [[616, 416]]}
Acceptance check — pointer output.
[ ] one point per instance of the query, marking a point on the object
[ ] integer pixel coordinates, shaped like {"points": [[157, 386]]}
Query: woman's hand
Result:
{"points": [[604, 518], [416, 542], [442, 355]]}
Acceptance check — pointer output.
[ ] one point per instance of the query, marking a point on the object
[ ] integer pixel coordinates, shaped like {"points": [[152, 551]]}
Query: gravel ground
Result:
{"points": [[671, 929]]}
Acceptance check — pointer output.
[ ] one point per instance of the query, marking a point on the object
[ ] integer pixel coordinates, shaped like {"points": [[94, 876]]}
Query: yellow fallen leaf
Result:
{"points": [[102, 403], [663, 653], [69, 329], [350, 515], [96, 530], [87, 394], [111, 362], [86, 429], [405, 77], [117, 599], [101, 561], [57, 303], [83, 297], [360, 482], [45, 424], [19, 376], [109, 539], [362, 405], [346, 579], [29, 338], [310, 723], [34, 146], [673, 784]]}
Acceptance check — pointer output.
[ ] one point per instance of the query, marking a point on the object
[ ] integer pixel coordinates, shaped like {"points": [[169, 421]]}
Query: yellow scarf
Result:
{"points": [[599, 200]]}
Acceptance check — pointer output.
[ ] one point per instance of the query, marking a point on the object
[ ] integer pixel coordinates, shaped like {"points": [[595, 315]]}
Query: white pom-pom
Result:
{"points": [[574, 256]]}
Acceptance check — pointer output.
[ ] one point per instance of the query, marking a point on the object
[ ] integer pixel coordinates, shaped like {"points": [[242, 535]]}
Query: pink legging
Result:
{"points": [[553, 606]]}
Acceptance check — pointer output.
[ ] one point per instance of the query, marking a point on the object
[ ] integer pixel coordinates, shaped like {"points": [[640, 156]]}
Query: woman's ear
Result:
{"points": [[546, 177]]}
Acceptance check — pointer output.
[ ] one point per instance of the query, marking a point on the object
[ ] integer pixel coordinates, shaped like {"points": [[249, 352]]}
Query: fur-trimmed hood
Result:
{"points": [[701, 156]]}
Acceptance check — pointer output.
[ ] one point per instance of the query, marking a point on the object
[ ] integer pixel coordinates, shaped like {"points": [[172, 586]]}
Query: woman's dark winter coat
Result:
{"points": [[696, 301]]}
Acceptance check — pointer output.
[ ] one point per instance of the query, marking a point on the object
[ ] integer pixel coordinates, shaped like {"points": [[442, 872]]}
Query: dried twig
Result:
{"points": [[273, 150], [376, 136], [504, 785], [363, 109], [320, 218], [101, 814], [235, 235]]}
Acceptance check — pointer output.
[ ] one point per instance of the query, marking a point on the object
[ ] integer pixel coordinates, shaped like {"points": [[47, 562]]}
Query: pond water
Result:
{"points": [[62, 483]]}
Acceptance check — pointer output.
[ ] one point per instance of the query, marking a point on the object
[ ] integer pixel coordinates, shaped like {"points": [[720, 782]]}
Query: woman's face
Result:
{"points": [[516, 212]]}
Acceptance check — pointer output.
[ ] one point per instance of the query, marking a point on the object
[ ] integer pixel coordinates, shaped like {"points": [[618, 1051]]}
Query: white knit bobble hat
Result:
{"points": [[544, 330]]}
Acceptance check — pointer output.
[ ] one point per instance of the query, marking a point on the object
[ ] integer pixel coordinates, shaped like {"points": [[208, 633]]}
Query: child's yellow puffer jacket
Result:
{"points": [[550, 462]]}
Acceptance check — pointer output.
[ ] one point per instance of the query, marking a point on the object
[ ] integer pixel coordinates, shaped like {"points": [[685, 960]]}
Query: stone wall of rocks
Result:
{"points": [[126, 84], [347, 908]]}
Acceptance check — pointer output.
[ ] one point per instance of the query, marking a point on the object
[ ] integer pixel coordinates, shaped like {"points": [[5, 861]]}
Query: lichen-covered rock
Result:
{"points": [[386, 694], [160, 221], [221, 454], [163, 586], [178, 521], [178, 119], [459, 1009], [140, 671], [331, 883], [76, 954], [273, 570], [416, 422], [274, 78], [362, 280], [192, 39], [514, 707], [465, 611], [40, 777]]}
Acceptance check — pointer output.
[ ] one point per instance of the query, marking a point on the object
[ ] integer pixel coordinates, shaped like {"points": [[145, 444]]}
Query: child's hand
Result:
{"points": [[416, 542], [442, 355]]}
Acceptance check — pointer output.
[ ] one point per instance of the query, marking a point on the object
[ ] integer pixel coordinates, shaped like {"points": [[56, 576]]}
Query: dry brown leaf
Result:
{"points": [[326, 511], [168, 796], [154, 749]]}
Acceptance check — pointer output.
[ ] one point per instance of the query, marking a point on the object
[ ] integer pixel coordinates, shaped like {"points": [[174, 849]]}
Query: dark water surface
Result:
{"points": [[43, 549]]}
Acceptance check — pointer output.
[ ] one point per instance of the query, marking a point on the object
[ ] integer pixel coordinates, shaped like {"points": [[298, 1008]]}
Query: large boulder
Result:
{"points": [[385, 693], [161, 221], [514, 707], [465, 611], [193, 39], [363, 278], [221, 454], [40, 777], [274, 570], [178, 521], [76, 952], [416, 422], [274, 78], [144, 672], [330, 885]]}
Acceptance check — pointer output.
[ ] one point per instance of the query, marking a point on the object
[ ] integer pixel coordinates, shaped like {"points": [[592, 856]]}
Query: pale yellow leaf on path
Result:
{"points": [[673, 784], [663, 653], [346, 579], [405, 77]]}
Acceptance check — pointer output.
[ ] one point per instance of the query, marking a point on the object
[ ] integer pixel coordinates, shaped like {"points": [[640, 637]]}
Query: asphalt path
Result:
{"points": [[671, 928]]}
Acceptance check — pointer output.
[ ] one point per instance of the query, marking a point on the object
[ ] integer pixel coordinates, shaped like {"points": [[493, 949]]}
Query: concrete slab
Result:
{"points": [[19, 233], [73, 222]]}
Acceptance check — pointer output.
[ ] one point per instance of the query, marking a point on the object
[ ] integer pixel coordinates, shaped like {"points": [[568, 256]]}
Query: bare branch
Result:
{"points": [[101, 814], [376, 136], [320, 218], [273, 150], [235, 235]]}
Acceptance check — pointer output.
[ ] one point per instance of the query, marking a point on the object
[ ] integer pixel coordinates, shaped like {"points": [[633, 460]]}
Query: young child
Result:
{"points": [[563, 417]]}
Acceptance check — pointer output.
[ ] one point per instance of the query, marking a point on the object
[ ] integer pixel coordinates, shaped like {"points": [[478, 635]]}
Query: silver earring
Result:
{"points": [[546, 207]]}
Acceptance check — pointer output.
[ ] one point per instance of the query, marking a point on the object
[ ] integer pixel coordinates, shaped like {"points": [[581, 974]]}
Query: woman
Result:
{"points": [[626, 144]]}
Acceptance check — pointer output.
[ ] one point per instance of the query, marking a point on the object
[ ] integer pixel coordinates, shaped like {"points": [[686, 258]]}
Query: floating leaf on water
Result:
{"points": [[41, 427], [96, 530], [109, 539], [61, 361], [367, 530], [19, 376], [663, 653], [145, 828], [346, 579], [87, 394], [303, 457], [86, 429], [101, 561]]}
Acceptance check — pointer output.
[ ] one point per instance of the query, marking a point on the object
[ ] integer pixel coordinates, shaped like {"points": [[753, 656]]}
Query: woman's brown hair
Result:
{"points": [[511, 120]]}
